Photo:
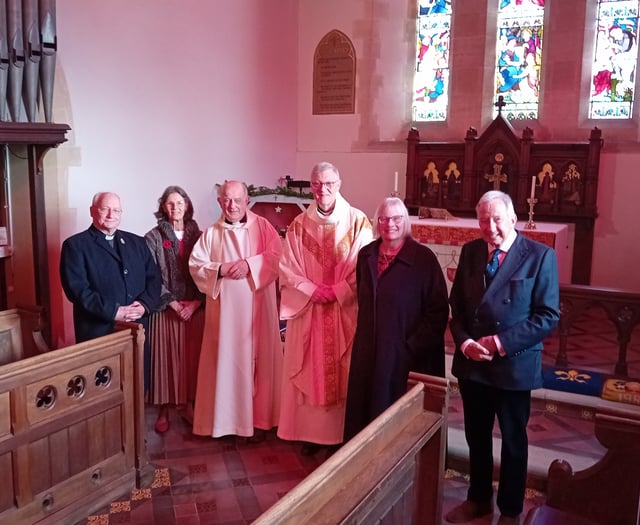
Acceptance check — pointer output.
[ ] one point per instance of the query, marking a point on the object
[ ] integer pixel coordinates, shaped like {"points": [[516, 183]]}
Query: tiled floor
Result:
{"points": [[202, 481]]}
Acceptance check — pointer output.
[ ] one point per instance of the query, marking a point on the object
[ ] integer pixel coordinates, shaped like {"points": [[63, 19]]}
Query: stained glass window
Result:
{"points": [[431, 78], [614, 66], [519, 57]]}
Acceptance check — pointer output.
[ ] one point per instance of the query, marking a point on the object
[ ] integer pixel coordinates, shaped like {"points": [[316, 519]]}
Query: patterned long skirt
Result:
{"points": [[175, 353]]}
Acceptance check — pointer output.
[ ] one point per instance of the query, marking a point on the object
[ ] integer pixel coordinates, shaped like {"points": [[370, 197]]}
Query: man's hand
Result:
{"points": [[235, 270], [131, 312], [323, 294], [489, 342], [474, 350]]}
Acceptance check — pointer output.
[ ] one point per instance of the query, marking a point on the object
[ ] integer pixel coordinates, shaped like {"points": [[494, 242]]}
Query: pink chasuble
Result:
{"points": [[319, 336]]}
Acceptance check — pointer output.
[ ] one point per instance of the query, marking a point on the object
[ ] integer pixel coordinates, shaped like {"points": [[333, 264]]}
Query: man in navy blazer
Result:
{"points": [[498, 323], [108, 274]]}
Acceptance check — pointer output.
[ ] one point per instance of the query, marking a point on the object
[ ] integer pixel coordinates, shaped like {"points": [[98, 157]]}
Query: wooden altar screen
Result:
{"points": [[453, 175]]}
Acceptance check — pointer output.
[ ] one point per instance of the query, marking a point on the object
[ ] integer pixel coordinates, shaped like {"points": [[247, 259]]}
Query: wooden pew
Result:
{"points": [[607, 493], [391, 472], [622, 309], [21, 333], [71, 429]]}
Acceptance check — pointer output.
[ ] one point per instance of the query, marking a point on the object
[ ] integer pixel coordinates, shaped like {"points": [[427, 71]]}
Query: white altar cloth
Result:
{"points": [[446, 237]]}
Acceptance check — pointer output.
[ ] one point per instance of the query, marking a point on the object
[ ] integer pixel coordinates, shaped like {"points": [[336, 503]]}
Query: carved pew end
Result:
{"points": [[608, 491]]}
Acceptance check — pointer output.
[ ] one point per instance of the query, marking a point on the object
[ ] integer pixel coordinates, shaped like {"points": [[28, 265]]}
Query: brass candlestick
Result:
{"points": [[530, 224]]}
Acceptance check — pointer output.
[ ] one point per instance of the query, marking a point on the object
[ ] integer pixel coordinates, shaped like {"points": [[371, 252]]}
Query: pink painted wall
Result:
{"points": [[161, 92]]}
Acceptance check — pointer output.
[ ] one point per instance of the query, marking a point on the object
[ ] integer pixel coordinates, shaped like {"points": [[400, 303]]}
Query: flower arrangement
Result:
{"points": [[255, 191]]}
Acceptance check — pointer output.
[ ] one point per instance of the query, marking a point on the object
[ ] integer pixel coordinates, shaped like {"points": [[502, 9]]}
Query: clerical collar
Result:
{"points": [[244, 219], [325, 213]]}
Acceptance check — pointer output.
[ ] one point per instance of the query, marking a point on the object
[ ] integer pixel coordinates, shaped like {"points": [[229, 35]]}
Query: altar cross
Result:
{"points": [[497, 176], [500, 104]]}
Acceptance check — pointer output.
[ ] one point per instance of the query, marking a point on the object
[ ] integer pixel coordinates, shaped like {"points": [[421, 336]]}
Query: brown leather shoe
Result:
{"points": [[468, 510], [508, 520]]}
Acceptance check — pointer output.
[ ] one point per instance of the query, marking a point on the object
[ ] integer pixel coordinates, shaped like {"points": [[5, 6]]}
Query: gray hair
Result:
{"points": [[223, 186], [497, 195], [324, 166], [98, 197], [395, 202]]}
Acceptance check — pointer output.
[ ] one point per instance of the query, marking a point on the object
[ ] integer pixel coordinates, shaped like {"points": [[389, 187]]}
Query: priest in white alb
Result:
{"points": [[318, 300], [235, 264]]}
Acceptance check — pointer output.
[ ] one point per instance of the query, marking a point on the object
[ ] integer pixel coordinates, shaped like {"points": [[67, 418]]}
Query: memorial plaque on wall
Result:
{"points": [[334, 75]]}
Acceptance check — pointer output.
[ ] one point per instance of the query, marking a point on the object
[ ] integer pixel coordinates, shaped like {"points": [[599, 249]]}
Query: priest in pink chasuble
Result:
{"points": [[318, 300], [235, 264]]}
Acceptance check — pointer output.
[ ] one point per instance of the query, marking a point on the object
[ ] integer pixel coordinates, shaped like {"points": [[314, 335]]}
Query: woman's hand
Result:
{"points": [[188, 308]]}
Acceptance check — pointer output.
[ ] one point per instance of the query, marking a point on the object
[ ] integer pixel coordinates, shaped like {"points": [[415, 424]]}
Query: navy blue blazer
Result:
{"points": [[521, 305], [98, 279]]}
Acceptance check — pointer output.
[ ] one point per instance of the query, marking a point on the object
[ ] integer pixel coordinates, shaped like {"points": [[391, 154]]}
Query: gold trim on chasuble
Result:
{"points": [[328, 255]]}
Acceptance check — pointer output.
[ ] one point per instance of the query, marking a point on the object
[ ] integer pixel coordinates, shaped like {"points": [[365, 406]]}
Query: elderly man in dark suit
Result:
{"points": [[108, 274], [504, 302]]}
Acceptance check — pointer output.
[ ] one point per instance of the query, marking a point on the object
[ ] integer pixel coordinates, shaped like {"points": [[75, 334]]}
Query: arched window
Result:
{"points": [[519, 57], [615, 60], [431, 78]]}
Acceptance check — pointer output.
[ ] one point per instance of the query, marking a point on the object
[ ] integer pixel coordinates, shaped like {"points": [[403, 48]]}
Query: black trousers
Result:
{"points": [[482, 404]]}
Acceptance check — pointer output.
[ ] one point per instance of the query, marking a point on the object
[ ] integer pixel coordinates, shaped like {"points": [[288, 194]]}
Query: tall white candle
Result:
{"points": [[395, 182], [533, 187]]}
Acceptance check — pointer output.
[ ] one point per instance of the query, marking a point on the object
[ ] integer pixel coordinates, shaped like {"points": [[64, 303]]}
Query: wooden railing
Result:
{"points": [[391, 472], [622, 309], [71, 429]]}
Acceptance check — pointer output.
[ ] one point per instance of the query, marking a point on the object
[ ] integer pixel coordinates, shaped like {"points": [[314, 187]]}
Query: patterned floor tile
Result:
{"points": [[206, 481]]}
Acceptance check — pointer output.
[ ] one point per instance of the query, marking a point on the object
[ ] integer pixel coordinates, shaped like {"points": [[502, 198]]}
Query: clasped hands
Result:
{"points": [[184, 309], [235, 269], [131, 312], [483, 349], [323, 294]]}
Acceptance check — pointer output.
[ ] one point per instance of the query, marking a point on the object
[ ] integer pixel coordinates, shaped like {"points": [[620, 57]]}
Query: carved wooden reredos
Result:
{"points": [[453, 175]]}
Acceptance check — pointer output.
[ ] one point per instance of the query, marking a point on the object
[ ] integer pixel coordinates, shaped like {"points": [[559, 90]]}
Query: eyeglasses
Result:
{"points": [[396, 219], [316, 184], [105, 210]]}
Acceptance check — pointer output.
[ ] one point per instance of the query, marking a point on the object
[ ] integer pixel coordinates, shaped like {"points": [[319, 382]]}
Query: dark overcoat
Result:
{"points": [[521, 306], [98, 279], [402, 317]]}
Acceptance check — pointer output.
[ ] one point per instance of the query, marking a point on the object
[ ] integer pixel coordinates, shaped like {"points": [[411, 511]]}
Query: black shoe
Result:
{"points": [[258, 436], [332, 449], [309, 449]]}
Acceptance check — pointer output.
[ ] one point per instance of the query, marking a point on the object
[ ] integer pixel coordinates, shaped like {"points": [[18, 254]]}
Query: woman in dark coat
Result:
{"points": [[402, 316]]}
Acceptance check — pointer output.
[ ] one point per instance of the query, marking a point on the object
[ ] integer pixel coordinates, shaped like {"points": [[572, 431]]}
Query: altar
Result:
{"points": [[446, 237], [278, 209]]}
